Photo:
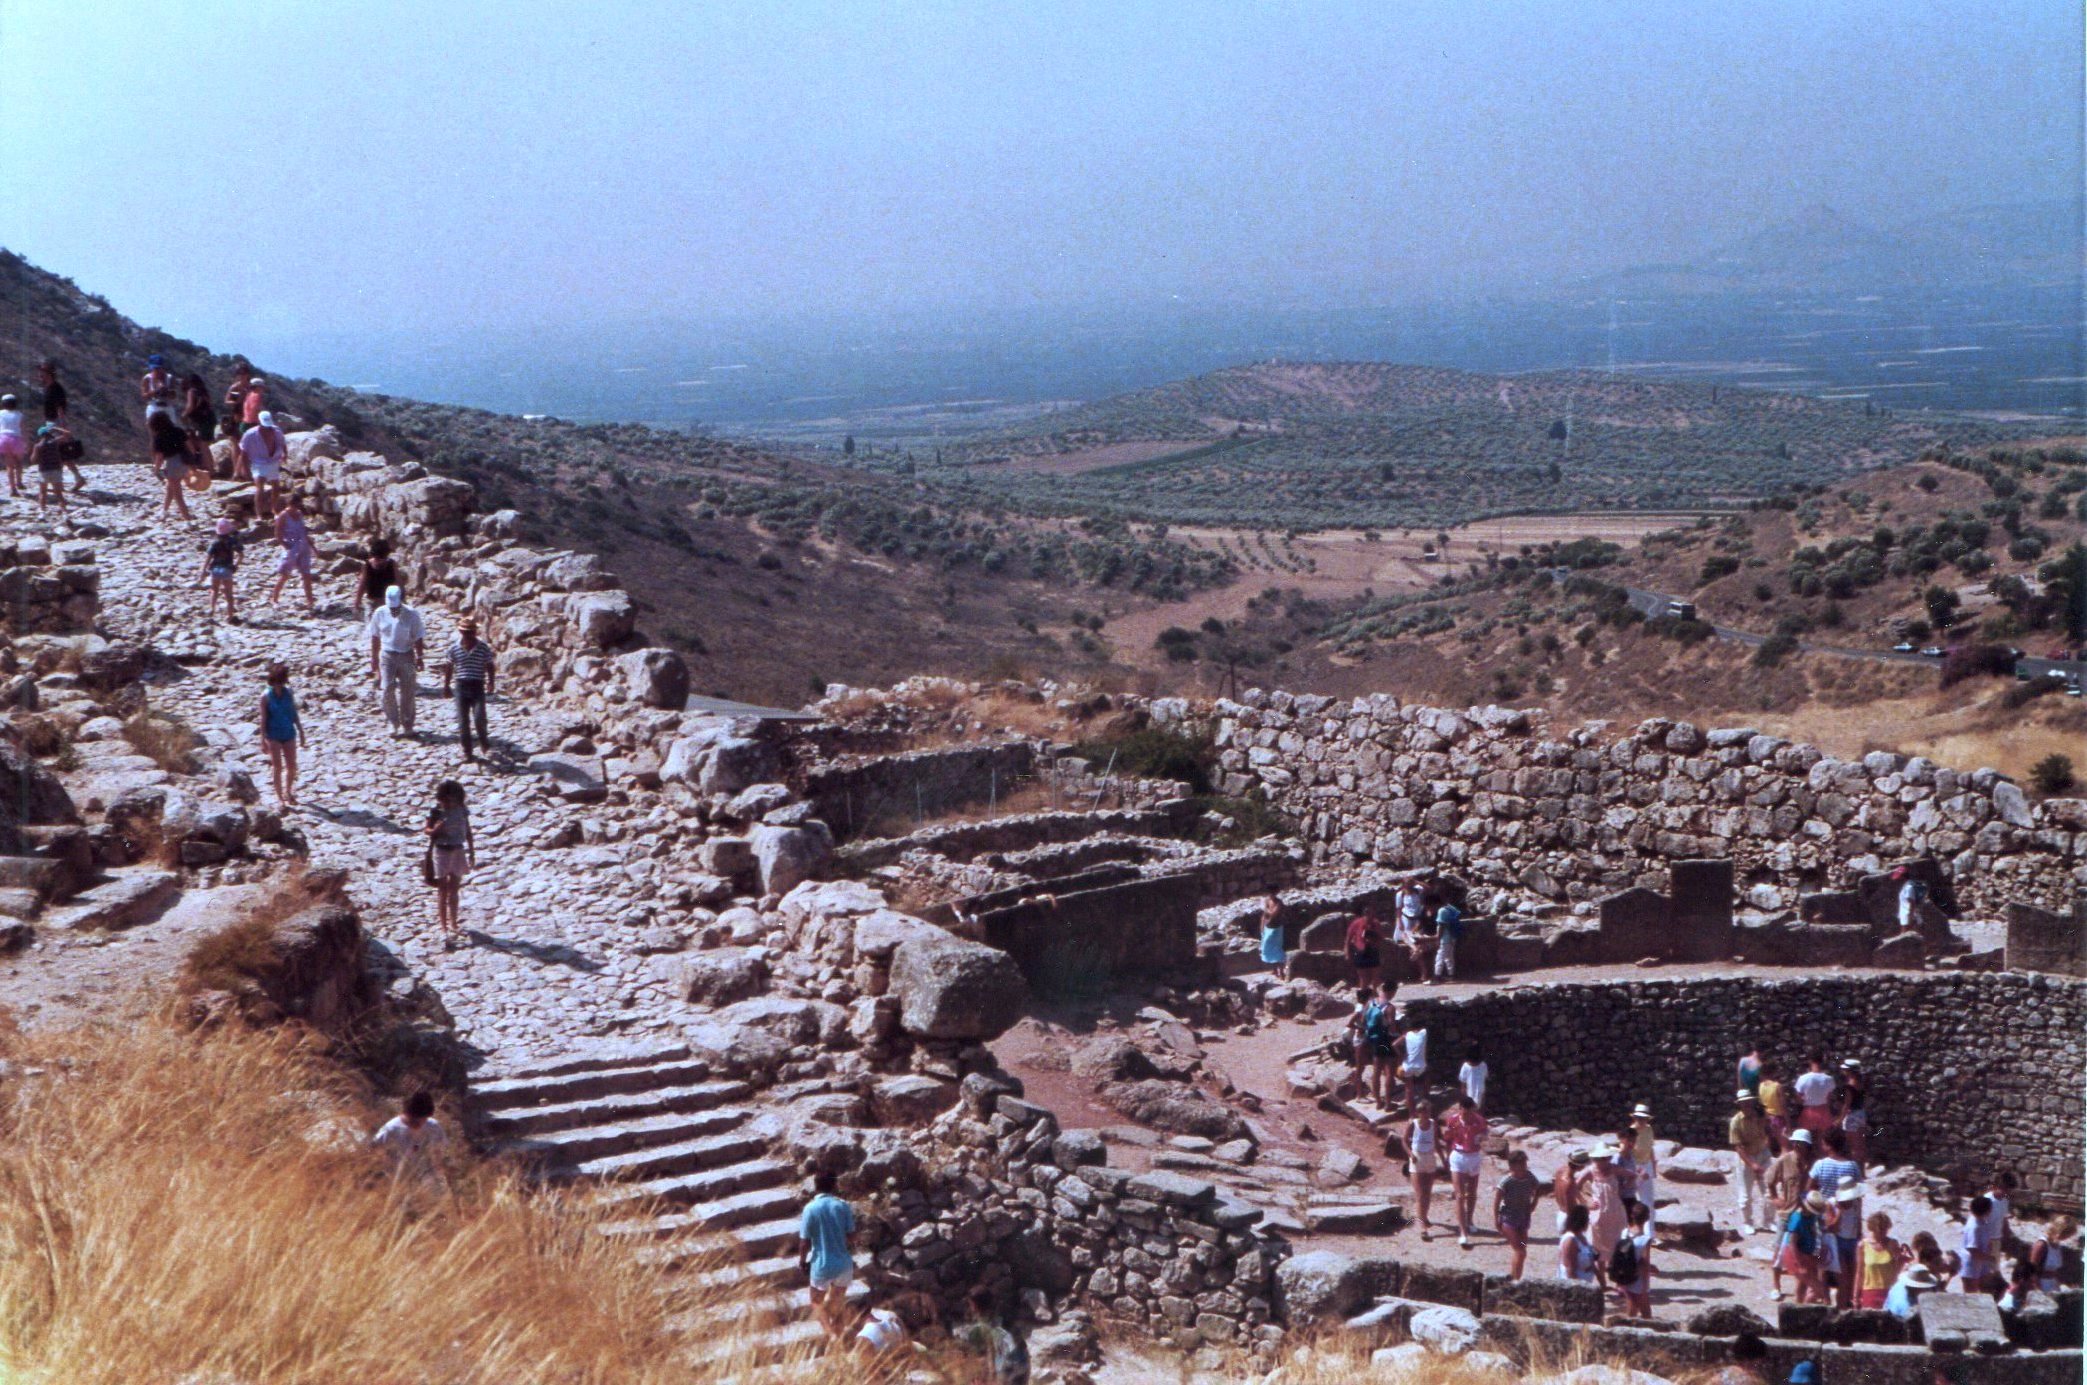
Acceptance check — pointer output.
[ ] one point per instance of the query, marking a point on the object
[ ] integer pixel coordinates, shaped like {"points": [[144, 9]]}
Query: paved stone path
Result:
{"points": [[551, 964]]}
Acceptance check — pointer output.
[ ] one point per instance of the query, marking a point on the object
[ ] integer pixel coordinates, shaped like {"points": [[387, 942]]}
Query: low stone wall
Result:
{"points": [[859, 796], [559, 621], [48, 588], [2043, 940], [1081, 940], [2002, 1054], [965, 841], [1582, 814]]}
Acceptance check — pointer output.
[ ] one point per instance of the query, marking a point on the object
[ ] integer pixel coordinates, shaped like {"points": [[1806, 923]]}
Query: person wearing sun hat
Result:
{"points": [[1598, 1192], [1913, 1281], [1645, 1150], [265, 450], [1798, 1257], [1748, 1136], [1788, 1179]]}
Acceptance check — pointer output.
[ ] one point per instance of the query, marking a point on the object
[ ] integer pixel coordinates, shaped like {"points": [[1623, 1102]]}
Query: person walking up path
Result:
{"points": [[467, 677], [1364, 941], [1598, 1192], [265, 450], [1514, 1207], [170, 458], [295, 536], [1466, 1131], [823, 1232], [398, 641], [378, 574], [452, 851], [1449, 926], [221, 567], [1423, 1140], [282, 733], [49, 458]]}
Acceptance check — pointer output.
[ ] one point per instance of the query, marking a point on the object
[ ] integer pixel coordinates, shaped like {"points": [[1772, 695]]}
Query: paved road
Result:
{"points": [[1656, 604]]}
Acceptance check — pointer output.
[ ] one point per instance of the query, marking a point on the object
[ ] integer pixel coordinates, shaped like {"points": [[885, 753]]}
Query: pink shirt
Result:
{"points": [[1467, 1132]]}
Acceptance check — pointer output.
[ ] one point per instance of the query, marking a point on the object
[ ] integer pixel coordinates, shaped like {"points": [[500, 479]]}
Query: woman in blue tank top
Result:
{"points": [[282, 733]]}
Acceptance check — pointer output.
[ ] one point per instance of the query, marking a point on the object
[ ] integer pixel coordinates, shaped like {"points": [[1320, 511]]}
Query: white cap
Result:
{"points": [[394, 598]]}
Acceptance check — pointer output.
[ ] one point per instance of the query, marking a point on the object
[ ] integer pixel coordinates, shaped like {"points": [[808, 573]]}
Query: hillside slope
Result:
{"points": [[775, 575]]}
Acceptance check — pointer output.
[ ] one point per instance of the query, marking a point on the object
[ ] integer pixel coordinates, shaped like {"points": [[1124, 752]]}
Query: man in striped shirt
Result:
{"points": [[469, 668]]}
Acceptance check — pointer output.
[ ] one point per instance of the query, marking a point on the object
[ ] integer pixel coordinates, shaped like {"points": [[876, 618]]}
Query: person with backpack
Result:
{"points": [[1004, 1354], [1363, 941], [1465, 1129], [1630, 1264], [1576, 1258], [1358, 1040], [1799, 1254], [1449, 926], [48, 457], [1383, 1048], [1423, 1143]]}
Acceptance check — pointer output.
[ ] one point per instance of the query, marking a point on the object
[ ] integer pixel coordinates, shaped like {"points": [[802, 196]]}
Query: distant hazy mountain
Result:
{"points": [[1823, 250]]}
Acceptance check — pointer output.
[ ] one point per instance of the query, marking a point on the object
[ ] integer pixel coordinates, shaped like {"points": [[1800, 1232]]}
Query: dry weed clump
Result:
{"points": [[165, 739], [177, 1205]]}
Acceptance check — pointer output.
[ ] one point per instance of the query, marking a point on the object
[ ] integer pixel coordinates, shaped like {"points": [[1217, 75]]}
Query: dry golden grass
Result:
{"points": [[177, 1205], [165, 739]]}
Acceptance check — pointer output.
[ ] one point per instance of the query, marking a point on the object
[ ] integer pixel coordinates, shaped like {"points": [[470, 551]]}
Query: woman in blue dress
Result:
{"points": [[1273, 946]]}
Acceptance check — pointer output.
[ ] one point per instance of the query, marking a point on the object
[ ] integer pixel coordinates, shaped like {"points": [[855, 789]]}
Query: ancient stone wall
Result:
{"points": [[2043, 940], [1965, 1069], [48, 588], [864, 797], [1492, 793]]}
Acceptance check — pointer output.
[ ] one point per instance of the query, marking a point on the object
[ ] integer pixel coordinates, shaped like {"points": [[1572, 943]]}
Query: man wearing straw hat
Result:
{"points": [[1748, 1136], [1644, 1151]]}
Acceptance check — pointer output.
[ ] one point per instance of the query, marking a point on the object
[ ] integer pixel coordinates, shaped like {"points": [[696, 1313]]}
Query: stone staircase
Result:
{"points": [[655, 1135]]}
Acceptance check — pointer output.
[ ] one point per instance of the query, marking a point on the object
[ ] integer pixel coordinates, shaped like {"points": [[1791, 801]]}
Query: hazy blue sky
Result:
{"points": [[280, 166]]}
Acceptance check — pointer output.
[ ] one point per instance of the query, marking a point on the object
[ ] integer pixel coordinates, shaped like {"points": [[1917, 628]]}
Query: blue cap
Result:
{"points": [[1805, 1373], [155, 360]]}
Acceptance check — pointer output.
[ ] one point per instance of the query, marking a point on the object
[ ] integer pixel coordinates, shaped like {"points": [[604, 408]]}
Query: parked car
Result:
{"points": [[1682, 610]]}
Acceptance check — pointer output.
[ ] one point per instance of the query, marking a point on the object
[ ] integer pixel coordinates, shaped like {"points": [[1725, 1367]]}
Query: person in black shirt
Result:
{"points": [[380, 571], [54, 398], [220, 565]]}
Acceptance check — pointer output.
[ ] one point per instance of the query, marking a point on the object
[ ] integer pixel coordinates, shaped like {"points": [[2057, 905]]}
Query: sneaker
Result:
{"points": [[1776, 1294], [1746, 1231], [1463, 1243]]}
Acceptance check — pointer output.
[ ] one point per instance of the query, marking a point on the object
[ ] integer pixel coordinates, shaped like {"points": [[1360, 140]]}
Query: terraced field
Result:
{"points": [[1369, 445]]}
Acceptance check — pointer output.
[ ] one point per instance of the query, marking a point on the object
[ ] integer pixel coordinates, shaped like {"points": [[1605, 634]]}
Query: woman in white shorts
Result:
{"points": [[14, 443]]}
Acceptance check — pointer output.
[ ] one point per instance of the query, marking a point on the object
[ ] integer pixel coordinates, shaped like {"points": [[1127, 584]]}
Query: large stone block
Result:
{"points": [[949, 988]]}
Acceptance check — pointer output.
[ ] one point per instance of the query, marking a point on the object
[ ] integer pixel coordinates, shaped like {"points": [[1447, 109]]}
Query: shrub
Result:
{"points": [[1156, 752], [1772, 651], [165, 739], [2053, 774], [1716, 566], [1976, 661]]}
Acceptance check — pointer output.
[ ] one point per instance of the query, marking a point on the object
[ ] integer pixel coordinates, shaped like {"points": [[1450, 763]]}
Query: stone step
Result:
{"points": [[606, 1110], [775, 1271], [682, 1157], [747, 1243], [707, 1185], [722, 1214], [593, 1143], [549, 1088], [765, 1333]]}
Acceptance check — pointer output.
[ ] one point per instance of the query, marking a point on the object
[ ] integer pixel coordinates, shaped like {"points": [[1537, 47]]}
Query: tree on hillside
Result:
{"points": [[2065, 582], [848, 445], [1942, 604]]}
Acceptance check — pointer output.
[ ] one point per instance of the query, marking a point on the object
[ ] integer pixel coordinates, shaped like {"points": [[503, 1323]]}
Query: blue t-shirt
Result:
{"points": [[280, 709], [825, 1227], [1450, 920]]}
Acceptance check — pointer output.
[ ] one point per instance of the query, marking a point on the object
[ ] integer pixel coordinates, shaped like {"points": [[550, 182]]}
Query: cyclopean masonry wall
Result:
{"points": [[1491, 793], [559, 620], [1999, 1054]]}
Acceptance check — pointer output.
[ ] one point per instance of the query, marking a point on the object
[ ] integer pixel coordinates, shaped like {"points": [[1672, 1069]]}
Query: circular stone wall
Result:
{"points": [[1966, 1069]]}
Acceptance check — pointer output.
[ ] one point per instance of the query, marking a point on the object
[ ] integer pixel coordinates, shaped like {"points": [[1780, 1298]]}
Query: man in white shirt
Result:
{"points": [[397, 642], [1815, 1090]]}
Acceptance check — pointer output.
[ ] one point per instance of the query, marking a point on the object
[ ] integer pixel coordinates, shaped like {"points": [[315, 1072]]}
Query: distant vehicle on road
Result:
{"points": [[1931, 652], [1902, 647], [1682, 610]]}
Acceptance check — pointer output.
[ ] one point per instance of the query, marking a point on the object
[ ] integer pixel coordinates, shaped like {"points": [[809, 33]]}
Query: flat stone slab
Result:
{"points": [[124, 902], [1361, 1219], [1973, 1315]]}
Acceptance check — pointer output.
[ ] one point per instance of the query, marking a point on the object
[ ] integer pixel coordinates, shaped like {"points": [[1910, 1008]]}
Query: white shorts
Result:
{"points": [[839, 1281], [265, 471], [1467, 1162]]}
